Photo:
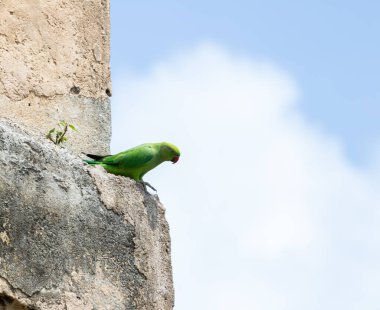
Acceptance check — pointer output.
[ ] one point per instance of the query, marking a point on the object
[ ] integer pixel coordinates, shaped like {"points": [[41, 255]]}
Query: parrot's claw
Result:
{"points": [[145, 184]]}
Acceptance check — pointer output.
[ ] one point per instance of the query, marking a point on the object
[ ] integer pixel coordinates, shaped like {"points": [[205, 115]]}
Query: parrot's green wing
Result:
{"points": [[132, 158]]}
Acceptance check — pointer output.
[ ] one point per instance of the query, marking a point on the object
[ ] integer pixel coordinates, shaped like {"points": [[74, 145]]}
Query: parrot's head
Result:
{"points": [[170, 152]]}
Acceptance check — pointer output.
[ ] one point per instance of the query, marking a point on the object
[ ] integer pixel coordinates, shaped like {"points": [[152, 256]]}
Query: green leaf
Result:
{"points": [[72, 127]]}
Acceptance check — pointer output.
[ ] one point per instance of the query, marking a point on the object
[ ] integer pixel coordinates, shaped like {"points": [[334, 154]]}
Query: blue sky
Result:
{"points": [[329, 47], [274, 204]]}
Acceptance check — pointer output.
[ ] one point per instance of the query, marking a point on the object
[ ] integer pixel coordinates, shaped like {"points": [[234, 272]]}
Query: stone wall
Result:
{"points": [[54, 65], [71, 236]]}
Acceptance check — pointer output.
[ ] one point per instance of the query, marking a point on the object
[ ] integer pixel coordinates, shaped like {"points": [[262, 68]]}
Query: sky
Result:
{"points": [[274, 204]]}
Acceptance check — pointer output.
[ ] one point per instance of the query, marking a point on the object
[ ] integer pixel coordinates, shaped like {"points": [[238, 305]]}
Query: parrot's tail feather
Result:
{"points": [[91, 162], [97, 157]]}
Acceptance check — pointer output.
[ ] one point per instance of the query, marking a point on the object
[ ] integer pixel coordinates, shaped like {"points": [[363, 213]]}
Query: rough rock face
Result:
{"points": [[54, 65], [74, 236]]}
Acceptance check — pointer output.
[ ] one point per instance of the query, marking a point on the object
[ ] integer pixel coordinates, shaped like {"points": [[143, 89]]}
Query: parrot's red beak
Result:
{"points": [[175, 159]]}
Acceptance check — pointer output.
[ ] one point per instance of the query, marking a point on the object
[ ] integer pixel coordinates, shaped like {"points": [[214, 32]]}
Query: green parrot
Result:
{"points": [[137, 161]]}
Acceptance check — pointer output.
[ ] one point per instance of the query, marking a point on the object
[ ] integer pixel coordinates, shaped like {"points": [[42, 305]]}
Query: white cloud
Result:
{"points": [[265, 210]]}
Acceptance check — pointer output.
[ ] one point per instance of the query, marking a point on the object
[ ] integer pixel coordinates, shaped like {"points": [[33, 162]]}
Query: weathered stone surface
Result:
{"points": [[54, 65], [74, 236]]}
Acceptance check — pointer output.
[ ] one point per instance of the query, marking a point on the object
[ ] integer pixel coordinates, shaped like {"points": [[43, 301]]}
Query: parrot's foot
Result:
{"points": [[145, 184]]}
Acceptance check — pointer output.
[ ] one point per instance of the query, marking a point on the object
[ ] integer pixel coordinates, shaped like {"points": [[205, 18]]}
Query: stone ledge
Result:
{"points": [[74, 236]]}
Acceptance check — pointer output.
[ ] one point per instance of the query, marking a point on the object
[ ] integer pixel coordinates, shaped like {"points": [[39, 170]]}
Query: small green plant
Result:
{"points": [[57, 136]]}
